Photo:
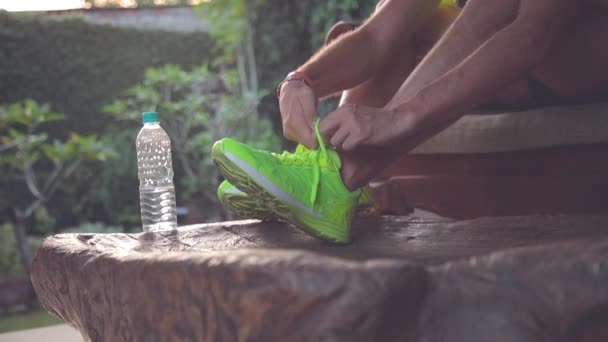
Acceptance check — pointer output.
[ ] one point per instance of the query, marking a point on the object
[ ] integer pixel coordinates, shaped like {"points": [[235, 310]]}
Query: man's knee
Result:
{"points": [[343, 27], [339, 29], [380, 4]]}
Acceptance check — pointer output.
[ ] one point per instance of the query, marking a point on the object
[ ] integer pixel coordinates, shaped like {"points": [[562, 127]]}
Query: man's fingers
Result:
{"points": [[329, 125], [308, 139], [312, 142], [310, 134], [300, 130], [338, 138], [304, 133], [349, 144]]}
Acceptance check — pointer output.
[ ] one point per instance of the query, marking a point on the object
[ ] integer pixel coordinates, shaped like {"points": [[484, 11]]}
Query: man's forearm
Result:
{"points": [[343, 64]]}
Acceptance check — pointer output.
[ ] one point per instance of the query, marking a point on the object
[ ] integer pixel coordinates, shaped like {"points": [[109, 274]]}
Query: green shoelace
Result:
{"points": [[302, 156], [316, 176]]}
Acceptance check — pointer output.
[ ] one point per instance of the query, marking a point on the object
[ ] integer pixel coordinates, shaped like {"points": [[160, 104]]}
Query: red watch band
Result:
{"points": [[306, 79], [297, 75]]}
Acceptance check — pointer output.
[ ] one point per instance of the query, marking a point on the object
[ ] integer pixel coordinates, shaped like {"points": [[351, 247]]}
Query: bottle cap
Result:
{"points": [[150, 117]]}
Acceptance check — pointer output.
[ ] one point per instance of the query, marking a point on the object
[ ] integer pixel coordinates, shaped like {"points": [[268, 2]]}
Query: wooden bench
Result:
{"points": [[540, 161], [525, 279]]}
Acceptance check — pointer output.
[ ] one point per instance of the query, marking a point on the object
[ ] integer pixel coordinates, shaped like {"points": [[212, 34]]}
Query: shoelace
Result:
{"points": [[302, 156], [316, 176]]}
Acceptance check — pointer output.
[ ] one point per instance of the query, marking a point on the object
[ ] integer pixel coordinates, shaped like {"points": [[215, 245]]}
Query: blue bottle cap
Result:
{"points": [[150, 117]]}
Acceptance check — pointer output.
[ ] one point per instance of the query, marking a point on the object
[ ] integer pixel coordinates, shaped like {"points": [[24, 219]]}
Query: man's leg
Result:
{"points": [[476, 23], [576, 68], [380, 88]]}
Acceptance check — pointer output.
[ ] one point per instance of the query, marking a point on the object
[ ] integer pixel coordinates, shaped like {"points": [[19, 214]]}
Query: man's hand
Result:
{"points": [[298, 105], [353, 126]]}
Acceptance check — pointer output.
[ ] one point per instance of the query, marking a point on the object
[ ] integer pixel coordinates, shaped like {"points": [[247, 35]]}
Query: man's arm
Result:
{"points": [[352, 58], [476, 23], [347, 62], [509, 55]]}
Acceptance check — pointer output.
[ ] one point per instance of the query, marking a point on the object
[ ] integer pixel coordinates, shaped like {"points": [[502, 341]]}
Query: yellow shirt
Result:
{"points": [[452, 3]]}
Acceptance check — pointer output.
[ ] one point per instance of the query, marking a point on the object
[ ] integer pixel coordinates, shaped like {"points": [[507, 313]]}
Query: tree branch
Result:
{"points": [[52, 184], [56, 172], [253, 78], [30, 181], [240, 64], [186, 165], [10, 145], [32, 207], [67, 172], [253, 72], [22, 242]]}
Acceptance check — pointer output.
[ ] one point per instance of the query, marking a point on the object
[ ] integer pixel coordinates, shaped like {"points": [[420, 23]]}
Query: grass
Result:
{"points": [[34, 319]]}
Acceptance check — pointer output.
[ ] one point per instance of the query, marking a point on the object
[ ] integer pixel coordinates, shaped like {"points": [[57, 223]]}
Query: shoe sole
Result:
{"points": [[285, 211], [245, 208]]}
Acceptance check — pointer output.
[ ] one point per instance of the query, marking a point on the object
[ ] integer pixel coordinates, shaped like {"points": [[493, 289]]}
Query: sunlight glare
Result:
{"points": [[39, 5]]}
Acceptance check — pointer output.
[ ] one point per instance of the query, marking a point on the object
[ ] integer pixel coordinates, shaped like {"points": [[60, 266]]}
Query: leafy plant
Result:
{"points": [[115, 190], [11, 266], [197, 107], [264, 40], [231, 26], [26, 155]]}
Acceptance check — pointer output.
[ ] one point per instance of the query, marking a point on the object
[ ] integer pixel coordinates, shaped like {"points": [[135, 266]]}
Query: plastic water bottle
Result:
{"points": [[155, 171]]}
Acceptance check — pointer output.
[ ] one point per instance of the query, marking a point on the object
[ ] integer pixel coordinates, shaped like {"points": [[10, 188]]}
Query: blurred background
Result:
{"points": [[75, 76]]}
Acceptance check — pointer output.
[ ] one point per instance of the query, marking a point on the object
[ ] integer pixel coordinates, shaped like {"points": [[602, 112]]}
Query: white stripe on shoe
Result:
{"points": [[269, 185], [234, 191]]}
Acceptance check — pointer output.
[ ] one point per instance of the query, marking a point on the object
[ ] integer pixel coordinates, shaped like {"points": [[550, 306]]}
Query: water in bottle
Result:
{"points": [[155, 171]]}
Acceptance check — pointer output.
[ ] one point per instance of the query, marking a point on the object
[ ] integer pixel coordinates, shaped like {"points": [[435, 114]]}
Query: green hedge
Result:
{"points": [[79, 67]]}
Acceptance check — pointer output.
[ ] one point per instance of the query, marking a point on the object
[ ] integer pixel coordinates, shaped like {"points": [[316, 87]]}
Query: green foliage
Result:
{"points": [[10, 263], [281, 27], [227, 21], [327, 13], [285, 34], [24, 149], [114, 189], [24, 143], [26, 153], [289, 32], [79, 67], [44, 223], [197, 108]]}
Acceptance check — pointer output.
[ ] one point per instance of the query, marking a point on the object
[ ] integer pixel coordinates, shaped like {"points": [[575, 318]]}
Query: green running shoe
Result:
{"points": [[243, 205], [302, 188]]}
